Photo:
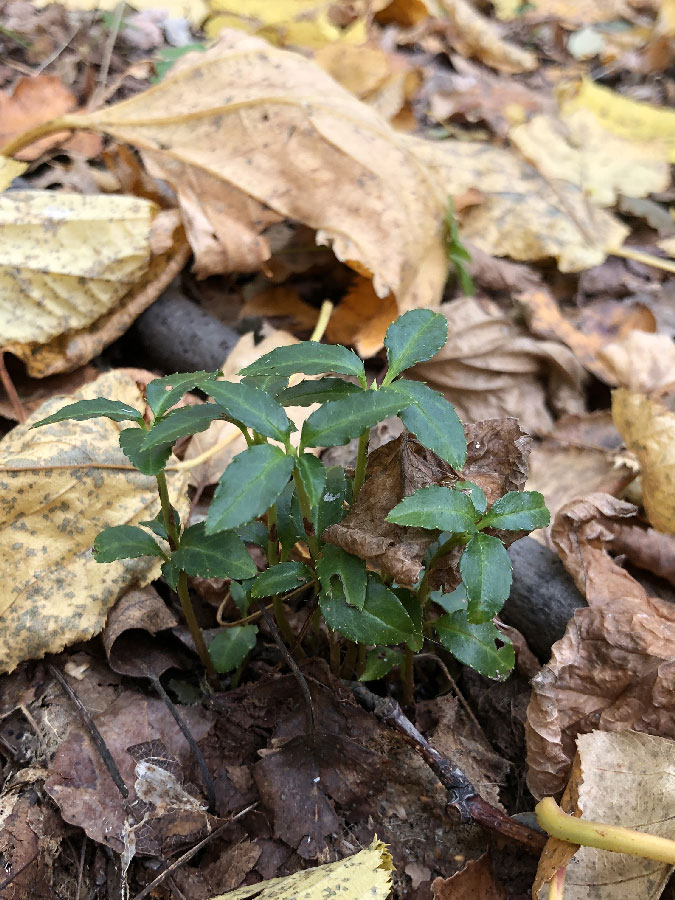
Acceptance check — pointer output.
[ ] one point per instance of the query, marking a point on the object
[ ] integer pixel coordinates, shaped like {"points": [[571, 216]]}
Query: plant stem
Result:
{"points": [[306, 510], [443, 550], [605, 837], [167, 511], [272, 540], [282, 622], [361, 463], [556, 887], [322, 322], [408, 678]]}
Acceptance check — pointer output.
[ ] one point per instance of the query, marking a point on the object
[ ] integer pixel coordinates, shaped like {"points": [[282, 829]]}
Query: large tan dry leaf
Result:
{"points": [[59, 486], [193, 10], [648, 428], [641, 362], [615, 665], [627, 780], [248, 134], [572, 12], [490, 368], [473, 34]]}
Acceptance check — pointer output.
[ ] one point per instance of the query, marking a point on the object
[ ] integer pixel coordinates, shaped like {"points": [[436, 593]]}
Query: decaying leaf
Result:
{"points": [[475, 880], [366, 874], [193, 10], [473, 34], [61, 484], [571, 12], [613, 668], [33, 101], [643, 363], [621, 779], [9, 170]]}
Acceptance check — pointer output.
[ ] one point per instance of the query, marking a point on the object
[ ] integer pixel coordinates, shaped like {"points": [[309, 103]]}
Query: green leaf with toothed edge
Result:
{"points": [[320, 391], [271, 384], [149, 462], [313, 476], [341, 420], [331, 507], [253, 407], [413, 338], [517, 511], [124, 542], [379, 662], [433, 421], [350, 571], [93, 409], [308, 358], [476, 645], [485, 567], [280, 579], [221, 555], [435, 507], [230, 647], [182, 422], [383, 619], [163, 393]]}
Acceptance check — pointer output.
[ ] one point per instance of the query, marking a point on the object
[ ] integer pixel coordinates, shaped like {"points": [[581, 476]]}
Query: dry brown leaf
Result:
{"points": [[475, 880], [626, 780], [490, 368], [571, 12], [613, 669], [61, 485], [473, 34], [361, 319], [33, 101], [643, 363]]}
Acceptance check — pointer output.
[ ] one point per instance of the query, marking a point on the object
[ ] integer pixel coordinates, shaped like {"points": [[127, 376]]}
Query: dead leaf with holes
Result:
{"points": [[59, 486], [621, 779]]}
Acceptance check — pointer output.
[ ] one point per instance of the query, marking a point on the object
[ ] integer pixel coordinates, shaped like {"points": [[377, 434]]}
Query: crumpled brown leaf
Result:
{"points": [[615, 666], [475, 880], [490, 368]]}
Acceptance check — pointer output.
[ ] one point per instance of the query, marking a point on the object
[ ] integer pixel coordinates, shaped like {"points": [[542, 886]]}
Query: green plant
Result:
{"points": [[283, 498]]}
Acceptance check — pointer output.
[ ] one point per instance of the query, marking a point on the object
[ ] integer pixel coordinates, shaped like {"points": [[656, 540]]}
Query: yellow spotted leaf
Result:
{"points": [[59, 486], [9, 170]]}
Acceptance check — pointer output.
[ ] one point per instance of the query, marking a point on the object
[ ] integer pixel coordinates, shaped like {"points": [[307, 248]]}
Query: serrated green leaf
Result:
{"points": [[350, 571], [149, 462], [437, 508], [271, 384], [180, 423], [221, 555], [92, 409], [239, 593], [485, 568], [453, 601], [331, 507], [379, 662], [341, 420], [248, 487], [313, 476], [290, 527], [254, 533], [475, 645], [124, 542], [476, 493], [308, 358], [163, 393], [320, 391], [383, 619], [413, 607], [171, 572], [280, 579], [231, 646], [252, 407], [433, 421], [156, 525], [413, 338], [517, 511]]}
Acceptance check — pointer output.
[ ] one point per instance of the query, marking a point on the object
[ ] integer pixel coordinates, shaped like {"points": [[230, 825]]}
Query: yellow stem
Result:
{"points": [[64, 123], [605, 837], [668, 265], [322, 322], [556, 887]]}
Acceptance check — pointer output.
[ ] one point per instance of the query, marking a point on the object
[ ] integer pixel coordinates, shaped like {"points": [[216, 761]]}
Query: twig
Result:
{"points": [[94, 733], [6, 883], [10, 390], [80, 868], [190, 853], [56, 53], [108, 51], [462, 795]]}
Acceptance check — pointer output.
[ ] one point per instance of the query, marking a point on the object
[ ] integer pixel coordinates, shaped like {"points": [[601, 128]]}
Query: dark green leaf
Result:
{"points": [[156, 525], [254, 533], [453, 601], [180, 423], [280, 579], [149, 462], [248, 487], [231, 646], [476, 493], [476, 645], [92, 409], [239, 593], [413, 338], [170, 571], [457, 252], [413, 607], [485, 568], [313, 476], [350, 571], [221, 555], [433, 421], [383, 619], [309, 358], [253, 408], [163, 393], [290, 527], [323, 389], [435, 507], [124, 542], [379, 662], [341, 420], [517, 511], [331, 508], [271, 384]]}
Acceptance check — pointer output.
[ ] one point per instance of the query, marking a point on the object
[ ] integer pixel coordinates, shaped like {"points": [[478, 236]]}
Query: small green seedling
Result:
{"points": [[281, 497]]}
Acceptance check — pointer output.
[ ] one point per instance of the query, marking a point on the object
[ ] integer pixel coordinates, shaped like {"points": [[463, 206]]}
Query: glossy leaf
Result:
{"points": [[248, 487], [383, 619], [413, 338], [149, 462], [271, 384], [124, 542], [319, 391], [231, 646], [476, 493], [413, 607], [517, 511], [92, 409], [254, 533], [239, 593], [476, 645], [433, 421], [280, 579], [290, 527], [221, 555], [309, 358], [453, 601], [186, 420], [163, 393], [341, 420], [156, 525], [435, 507], [253, 407], [350, 571], [331, 507], [313, 476], [485, 568], [379, 662]]}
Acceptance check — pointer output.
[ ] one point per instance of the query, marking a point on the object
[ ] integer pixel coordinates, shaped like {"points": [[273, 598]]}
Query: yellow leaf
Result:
{"points": [[571, 12], [9, 170], [193, 10], [60, 485], [366, 874], [476, 35]]}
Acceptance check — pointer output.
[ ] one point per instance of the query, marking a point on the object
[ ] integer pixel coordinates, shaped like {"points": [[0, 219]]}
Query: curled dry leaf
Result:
{"points": [[61, 484], [618, 779], [570, 12], [643, 363], [476, 879], [33, 101], [613, 669], [473, 34], [490, 368]]}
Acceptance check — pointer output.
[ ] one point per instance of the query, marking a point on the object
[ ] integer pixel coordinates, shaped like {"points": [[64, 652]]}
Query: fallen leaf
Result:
{"points": [[476, 879], [490, 368], [473, 34], [9, 170], [612, 670], [192, 10], [33, 392], [571, 12], [614, 771], [361, 318], [33, 101], [61, 484], [642, 363]]}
